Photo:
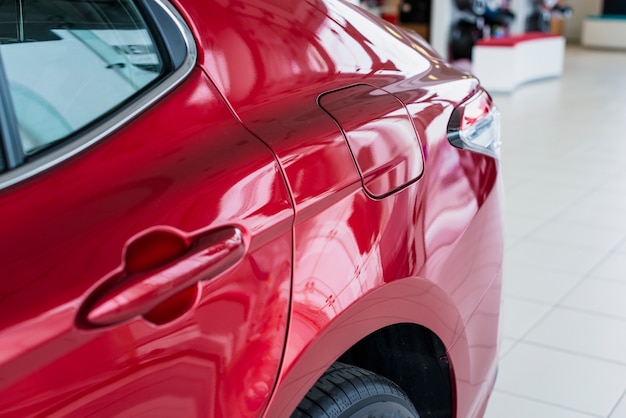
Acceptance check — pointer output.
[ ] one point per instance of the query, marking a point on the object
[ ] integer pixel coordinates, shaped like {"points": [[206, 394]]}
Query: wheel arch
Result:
{"points": [[414, 358], [407, 317]]}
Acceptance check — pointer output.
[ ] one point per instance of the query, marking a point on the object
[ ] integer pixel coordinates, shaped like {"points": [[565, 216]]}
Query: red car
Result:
{"points": [[227, 208]]}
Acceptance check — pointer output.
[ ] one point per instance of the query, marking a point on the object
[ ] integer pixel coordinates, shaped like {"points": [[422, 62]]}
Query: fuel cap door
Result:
{"points": [[380, 135]]}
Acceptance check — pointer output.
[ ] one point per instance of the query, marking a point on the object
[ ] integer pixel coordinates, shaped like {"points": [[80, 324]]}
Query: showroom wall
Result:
{"points": [[582, 9]]}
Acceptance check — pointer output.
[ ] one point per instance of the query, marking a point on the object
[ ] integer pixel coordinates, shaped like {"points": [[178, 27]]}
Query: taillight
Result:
{"points": [[475, 125]]}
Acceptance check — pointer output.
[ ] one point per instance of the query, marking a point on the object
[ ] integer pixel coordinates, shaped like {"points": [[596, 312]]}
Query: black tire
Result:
{"points": [[346, 391]]}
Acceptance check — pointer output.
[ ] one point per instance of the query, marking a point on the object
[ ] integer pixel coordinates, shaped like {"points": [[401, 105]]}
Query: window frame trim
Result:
{"points": [[22, 170], [12, 153]]}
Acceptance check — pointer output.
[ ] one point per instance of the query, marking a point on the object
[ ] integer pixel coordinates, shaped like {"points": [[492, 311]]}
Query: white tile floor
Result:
{"points": [[563, 352]]}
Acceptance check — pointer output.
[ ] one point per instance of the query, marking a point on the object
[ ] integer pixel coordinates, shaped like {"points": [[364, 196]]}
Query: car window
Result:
{"points": [[70, 62]]}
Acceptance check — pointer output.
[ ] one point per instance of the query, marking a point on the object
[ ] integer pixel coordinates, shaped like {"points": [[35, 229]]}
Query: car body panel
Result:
{"points": [[224, 350], [349, 246], [345, 254], [331, 257]]}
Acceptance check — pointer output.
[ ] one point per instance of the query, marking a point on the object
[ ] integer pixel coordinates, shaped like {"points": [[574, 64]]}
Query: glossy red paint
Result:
{"points": [[69, 230], [375, 124], [324, 245]]}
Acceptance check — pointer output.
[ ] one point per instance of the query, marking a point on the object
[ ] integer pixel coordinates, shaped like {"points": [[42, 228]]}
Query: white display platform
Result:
{"points": [[503, 64], [604, 32]]}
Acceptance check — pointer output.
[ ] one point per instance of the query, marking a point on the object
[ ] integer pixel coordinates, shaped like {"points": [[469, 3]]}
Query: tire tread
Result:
{"points": [[341, 387]]}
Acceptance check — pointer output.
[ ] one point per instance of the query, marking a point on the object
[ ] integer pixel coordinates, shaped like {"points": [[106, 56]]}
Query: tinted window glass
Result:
{"points": [[70, 62]]}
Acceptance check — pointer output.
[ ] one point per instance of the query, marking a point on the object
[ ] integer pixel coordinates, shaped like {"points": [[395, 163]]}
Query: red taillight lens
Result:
{"points": [[475, 125]]}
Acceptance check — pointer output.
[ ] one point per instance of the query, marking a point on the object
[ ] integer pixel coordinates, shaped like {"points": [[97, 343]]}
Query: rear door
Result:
{"points": [[145, 235]]}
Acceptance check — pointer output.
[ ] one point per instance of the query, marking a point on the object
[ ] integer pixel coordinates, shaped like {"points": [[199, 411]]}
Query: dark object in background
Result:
{"points": [[499, 17], [614, 7], [415, 11], [540, 20], [478, 19], [463, 36]]}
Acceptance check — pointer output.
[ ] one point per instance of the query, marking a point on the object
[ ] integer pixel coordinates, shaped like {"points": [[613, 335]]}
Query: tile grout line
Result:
{"points": [[542, 402]]}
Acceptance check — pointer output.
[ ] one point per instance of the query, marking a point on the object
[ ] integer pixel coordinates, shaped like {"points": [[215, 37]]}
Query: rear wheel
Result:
{"points": [[346, 391]]}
